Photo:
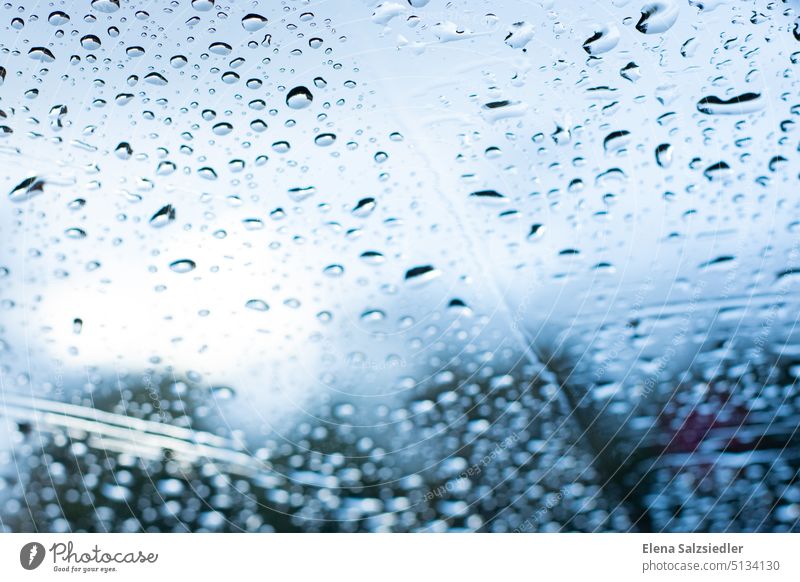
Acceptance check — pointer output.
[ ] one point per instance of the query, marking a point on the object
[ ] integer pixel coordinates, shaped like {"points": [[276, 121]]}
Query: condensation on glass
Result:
{"points": [[399, 266]]}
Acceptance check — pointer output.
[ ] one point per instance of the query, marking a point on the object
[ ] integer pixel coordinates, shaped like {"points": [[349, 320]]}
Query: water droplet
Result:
{"points": [[373, 257], [489, 197], [373, 316], [536, 232], [664, 155], [519, 34], [717, 171], [364, 207], [155, 79], [123, 151], [421, 274], [630, 72], [223, 392], [90, 42], [718, 262], [301, 193], [325, 139], [183, 265], [58, 18], [616, 140], [257, 305], [223, 128], [27, 189], [299, 98], [75, 233], [220, 48], [202, 5], [603, 40], [253, 22], [334, 270], [657, 17], [739, 105], [40, 53], [163, 216], [106, 6]]}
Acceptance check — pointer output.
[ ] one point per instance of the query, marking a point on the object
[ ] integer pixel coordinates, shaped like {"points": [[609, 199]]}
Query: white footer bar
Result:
{"points": [[401, 557]]}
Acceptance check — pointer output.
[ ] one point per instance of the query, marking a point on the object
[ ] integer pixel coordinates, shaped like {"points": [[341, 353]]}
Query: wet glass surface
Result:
{"points": [[399, 266]]}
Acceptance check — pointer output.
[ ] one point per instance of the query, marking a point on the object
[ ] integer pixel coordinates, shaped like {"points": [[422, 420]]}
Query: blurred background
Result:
{"points": [[411, 265]]}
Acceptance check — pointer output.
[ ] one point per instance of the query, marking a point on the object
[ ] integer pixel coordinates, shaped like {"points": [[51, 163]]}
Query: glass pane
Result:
{"points": [[399, 266]]}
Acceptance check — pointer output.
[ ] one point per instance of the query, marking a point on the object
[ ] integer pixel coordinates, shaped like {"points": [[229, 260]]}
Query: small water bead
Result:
{"points": [[221, 393], [301, 192], [604, 39], [90, 42], [123, 151], [40, 53], [229, 77], [630, 72], [373, 316], [163, 216], [183, 266], [315, 42], [657, 17], [616, 140], [299, 98], [373, 257], [165, 168], [536, 232], [333, 270], [178, 61], [27, 189], [717, 171], [364, 207], [223, 128], [220, 48], [155, 79], [253, 22], [253, 223], [105, 6], [421, 274], [202, 5], [58, 18], [257, 305], [281, 147], [75, 233], [664, 155], [325, 139], [738, 105]]}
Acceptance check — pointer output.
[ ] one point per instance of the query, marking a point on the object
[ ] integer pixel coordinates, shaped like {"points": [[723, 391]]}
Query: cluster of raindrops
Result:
{"points": [[379, 215]]}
